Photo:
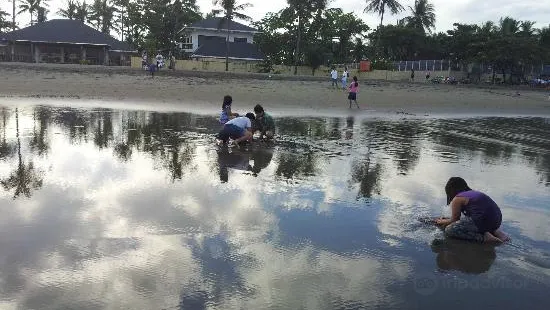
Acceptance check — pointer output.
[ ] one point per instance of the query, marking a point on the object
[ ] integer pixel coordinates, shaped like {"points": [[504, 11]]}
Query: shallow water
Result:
{"points": [[111, 209]]}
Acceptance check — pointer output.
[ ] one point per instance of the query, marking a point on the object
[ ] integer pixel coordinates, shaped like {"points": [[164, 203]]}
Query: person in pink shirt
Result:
{"points": [[353, 89]]}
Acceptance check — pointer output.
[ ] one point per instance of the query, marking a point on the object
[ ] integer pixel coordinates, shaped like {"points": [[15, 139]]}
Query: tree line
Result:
{"points": [[308, 32]]}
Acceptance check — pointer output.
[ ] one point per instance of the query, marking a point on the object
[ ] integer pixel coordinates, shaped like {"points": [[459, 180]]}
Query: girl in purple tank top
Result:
{"points": [[482, 215]]}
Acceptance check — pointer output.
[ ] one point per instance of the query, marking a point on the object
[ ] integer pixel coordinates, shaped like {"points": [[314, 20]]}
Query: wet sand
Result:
{"points": [[204, 91]]}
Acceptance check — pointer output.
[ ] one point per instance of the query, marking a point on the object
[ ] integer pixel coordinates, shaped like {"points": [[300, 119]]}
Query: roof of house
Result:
{"points": [[237, 50], [221, 23], [66, 31]]}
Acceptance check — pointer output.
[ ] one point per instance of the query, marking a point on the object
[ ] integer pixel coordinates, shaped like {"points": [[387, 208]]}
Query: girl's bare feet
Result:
{"points": [[490, 238]]}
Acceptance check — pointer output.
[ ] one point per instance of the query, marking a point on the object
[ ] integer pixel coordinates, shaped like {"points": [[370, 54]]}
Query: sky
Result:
{"points": [[447, 12]]}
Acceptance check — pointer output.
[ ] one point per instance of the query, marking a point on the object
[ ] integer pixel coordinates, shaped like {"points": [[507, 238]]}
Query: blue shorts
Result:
{"points": [[230, 131]]}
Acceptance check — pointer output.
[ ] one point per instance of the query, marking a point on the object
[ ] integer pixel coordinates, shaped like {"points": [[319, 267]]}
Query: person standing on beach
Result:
{"points": [[353, 89], [226, 113], [412, 75], [345, 76], [482, 215], [334, 77], [427, 76]]}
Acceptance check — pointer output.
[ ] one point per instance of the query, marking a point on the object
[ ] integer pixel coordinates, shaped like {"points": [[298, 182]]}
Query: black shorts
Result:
{"points": [[352, 96]]}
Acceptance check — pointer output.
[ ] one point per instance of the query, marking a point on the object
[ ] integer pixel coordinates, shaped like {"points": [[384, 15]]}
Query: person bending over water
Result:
{"points": [[482, 215], [239, 129]]}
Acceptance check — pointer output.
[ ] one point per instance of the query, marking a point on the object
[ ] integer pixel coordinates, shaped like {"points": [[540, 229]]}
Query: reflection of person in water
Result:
{"points": [[463, 256], [235, 160], [241, 161], [482, 215], [262, 158]]}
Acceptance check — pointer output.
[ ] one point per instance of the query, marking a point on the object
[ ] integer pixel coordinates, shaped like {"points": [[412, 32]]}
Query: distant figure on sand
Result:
{"points": [[239, 129], [412, 75], [226, 113], [152, 68], [353, 89], [345, 76], [264, 123], [427, 76], [334, 77], [482, 215]]}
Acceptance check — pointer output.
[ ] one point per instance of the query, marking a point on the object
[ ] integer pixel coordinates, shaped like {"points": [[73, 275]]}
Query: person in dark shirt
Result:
{"points": [[264, 123], [482, 215]]}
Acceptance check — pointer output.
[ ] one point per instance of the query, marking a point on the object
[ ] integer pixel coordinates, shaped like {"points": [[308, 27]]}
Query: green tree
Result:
{"points": [[379, 7], [302, 11], [162, 24], [422, 15], [230, 10]]}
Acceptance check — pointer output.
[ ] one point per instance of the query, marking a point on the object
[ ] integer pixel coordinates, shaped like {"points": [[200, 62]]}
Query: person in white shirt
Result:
{"points": [[345, 76], [239, 129], [334, 77]]}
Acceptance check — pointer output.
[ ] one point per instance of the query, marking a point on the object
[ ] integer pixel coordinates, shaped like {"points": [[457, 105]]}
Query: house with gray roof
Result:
{"points": [[206, 39], [64, 41]]}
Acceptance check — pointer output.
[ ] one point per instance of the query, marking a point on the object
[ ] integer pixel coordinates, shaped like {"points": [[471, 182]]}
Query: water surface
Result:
{"points": [[116, 209]]}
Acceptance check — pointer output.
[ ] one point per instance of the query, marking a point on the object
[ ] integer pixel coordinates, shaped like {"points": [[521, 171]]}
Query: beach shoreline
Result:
{"points": [[203, 92]]}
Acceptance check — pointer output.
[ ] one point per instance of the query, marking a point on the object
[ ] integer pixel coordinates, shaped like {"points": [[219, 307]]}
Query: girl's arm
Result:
{"points": [[456, 208]]}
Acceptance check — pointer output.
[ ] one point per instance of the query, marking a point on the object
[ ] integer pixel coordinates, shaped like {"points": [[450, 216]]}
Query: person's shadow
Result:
{"points": [[464, 256]]}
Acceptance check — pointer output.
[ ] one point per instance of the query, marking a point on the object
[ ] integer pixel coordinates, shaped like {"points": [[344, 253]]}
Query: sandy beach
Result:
{"points": [[204, 91]]}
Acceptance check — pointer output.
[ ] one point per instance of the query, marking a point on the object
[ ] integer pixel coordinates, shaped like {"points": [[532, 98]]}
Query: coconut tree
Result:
{"points": [[69, 11], [422, 15], [379, 7], [82, 11], [230, 10]]}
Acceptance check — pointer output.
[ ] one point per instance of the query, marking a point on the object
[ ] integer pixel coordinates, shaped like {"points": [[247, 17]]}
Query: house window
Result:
{"points": [[241, 40], [187, 43]]}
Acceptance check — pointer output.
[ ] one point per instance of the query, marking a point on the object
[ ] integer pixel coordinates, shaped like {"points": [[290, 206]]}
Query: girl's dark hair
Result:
{"points": [[454, 186], [227, 100], [251, 116], [355, 80]]}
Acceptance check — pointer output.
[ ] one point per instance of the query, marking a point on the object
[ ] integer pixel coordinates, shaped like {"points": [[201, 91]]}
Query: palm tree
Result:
{"points": [[70, 11], [30, 6], [41, 14], [230, 10], [423, 15], [82, 11], [103, 13], [379, 6], [509, 26]]}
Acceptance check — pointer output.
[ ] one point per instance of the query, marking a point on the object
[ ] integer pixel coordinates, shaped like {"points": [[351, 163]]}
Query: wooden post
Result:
{"points": [[83, 53], [36, 54], [106, 56]]}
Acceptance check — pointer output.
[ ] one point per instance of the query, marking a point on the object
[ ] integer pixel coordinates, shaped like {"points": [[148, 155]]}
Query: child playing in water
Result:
{"points": [[226, 113], [353, 89], [482, 215], [239, 129], [264, 123]]}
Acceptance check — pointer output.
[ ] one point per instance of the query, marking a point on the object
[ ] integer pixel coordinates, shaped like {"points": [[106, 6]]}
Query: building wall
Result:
{"points": [[218, 33], [218, 65]]}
